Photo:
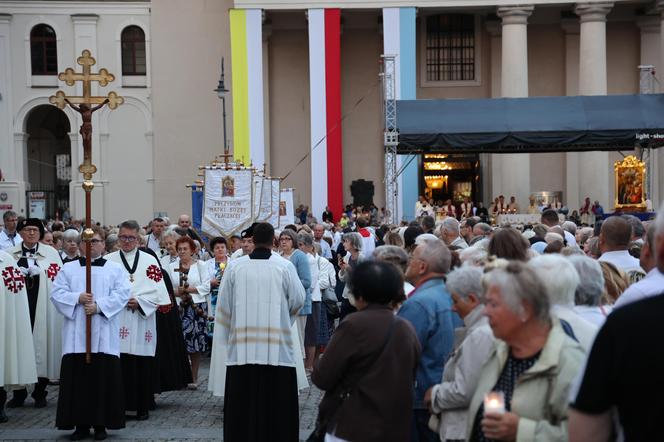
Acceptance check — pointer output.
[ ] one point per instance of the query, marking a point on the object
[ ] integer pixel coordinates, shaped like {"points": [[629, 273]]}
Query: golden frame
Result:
{"points": [[630, 179]]}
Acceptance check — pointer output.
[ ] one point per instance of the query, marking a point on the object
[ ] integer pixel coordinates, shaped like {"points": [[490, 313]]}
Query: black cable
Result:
{"points": [[333, 128]]}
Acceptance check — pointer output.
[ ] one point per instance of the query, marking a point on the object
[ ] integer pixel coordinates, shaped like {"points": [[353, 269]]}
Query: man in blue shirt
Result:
{"points": [[429, 310]]}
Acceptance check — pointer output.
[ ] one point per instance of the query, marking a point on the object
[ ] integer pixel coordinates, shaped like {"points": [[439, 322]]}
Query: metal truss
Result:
{"points": [[391, 137]]}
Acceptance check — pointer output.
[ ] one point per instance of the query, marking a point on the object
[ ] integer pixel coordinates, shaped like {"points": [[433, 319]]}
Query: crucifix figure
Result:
{"points": [[86, 105], [87, 168]]}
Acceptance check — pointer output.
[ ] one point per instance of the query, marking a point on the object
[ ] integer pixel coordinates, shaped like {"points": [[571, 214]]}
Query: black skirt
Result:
{"points": [[90, 394], [261, 404], [174, 371], [138, 380]]}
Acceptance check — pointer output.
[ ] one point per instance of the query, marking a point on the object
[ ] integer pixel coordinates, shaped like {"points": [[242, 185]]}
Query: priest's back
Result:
{"points": [[260, 297]]}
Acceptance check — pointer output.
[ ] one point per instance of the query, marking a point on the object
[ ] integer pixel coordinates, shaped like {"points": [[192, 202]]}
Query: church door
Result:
{"points": [[49, 162]]}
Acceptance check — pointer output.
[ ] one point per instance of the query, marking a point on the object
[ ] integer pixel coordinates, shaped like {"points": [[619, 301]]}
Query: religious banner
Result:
{"points": [[265, 209], [228, 201], [286, 211], [258, 181], [275, 198]]}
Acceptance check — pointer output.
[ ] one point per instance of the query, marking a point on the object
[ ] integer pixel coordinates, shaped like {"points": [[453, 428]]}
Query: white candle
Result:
{"points": [[494, 403]]}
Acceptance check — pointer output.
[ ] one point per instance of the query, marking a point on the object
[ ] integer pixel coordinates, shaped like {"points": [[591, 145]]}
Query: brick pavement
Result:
{"points": [[180, 415]]}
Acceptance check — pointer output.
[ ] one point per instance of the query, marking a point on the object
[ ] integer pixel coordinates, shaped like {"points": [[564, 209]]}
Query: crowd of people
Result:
{"points": [[466, 208], [439, 329]]}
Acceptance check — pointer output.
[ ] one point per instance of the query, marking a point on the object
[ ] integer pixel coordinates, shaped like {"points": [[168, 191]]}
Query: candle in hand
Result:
{"points": [[494, 402]]}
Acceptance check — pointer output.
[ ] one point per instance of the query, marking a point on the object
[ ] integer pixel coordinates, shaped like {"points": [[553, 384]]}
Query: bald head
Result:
{"points": [[615, 234], [184, 221]]}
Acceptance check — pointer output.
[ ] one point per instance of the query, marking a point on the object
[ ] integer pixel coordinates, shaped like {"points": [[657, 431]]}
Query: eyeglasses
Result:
{"points": [[30, 229], [95, 241], [125, 238], [285, 238]]}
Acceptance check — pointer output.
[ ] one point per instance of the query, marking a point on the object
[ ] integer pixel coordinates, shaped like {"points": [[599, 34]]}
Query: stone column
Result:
{"points": [[491, 164], [650, 55], [571, 29], [511, 172], [595, 172]]}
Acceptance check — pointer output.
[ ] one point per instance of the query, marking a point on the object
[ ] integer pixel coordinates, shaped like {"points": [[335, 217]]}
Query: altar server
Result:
{"points": [[39, 264], [91, 394], [137, 323], [17, 353], [261, 295]]}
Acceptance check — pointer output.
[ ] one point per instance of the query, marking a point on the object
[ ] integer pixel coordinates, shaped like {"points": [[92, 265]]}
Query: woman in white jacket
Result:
{"points": [[449, 400]]}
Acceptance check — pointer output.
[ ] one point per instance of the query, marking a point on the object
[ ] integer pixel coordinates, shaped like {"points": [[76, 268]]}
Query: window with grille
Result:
{"points": [[450, 47], [43, 50], [133, 51]]}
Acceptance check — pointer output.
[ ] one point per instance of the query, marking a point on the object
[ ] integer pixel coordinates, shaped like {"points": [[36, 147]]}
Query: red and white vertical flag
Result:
{"points": [[325, 96]]}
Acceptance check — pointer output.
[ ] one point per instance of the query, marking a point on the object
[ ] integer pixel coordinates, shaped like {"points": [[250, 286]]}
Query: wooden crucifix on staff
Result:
{"points": [[86, 105]]}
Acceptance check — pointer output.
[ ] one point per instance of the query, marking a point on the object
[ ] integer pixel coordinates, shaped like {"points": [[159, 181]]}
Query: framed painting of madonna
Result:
{"points": [[630, 178]]}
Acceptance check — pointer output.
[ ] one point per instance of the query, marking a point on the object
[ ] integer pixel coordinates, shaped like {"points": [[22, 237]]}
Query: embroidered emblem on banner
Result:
{"points": [[148, 336], [13, 279], [154, 273], [124, 333], [52, 271]]}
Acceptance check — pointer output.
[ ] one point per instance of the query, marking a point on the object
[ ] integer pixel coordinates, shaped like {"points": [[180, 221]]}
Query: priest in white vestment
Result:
{"points": [[91, 395], [39, 263], [260, 298], [137, 323], [217, 375], [17, 353]]}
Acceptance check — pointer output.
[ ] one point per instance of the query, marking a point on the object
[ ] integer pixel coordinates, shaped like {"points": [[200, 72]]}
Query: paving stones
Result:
{"points": [[180, 415]]}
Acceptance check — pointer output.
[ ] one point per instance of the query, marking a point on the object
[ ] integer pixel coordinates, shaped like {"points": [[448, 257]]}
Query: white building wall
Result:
{"points": [[94, 25]]}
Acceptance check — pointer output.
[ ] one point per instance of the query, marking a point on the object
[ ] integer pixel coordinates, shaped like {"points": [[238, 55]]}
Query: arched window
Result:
{"points": [[133, 51], [43, 50]]}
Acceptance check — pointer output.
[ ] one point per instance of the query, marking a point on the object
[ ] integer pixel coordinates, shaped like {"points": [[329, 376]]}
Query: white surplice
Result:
{"points": [[46, 332], [17, 353], [138, 328], [111, 292], [217, 375]]}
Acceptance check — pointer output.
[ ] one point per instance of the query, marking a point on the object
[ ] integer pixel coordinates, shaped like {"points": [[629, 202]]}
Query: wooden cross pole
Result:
{"points": [[83, 105]]}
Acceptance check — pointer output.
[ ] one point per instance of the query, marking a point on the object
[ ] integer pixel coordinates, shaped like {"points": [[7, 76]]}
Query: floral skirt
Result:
{"points": [[194, 328]]}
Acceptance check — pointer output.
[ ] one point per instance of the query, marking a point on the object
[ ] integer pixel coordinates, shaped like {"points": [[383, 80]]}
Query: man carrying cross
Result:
{"points": [[91, 395], [137, 323]]}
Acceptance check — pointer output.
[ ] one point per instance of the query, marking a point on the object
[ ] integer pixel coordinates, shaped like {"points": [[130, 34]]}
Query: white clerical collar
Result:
{"points": [[129, 255]]}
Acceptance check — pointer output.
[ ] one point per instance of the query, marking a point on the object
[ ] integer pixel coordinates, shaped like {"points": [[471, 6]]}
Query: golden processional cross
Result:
{"points": [[83, 105]]}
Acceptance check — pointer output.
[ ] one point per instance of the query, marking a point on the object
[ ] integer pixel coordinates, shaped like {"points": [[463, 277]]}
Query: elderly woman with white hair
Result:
{"points": [[474, 256], [71, 241], [588, 295], [352, 243], [449, 400], [560, 280], [531, 368], [399, 258]]}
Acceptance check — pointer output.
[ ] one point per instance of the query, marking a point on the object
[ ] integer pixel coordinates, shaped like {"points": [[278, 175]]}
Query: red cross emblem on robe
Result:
{"points": [[13, 279]]}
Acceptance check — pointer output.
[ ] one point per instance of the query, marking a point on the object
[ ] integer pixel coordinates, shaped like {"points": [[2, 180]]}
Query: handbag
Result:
{"points": [[343, 393], [329, 299]]}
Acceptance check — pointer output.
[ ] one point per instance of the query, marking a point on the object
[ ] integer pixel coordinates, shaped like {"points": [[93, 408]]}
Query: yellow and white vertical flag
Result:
{"points": [[247, 85]]}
